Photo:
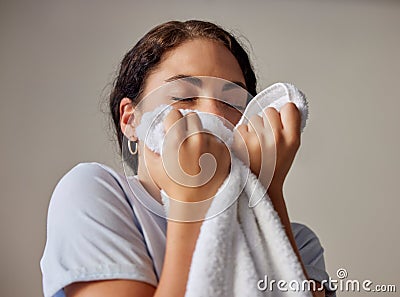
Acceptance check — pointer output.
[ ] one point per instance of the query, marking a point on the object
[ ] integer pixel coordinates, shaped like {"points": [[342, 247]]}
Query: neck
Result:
{"points": [[148, 183]]}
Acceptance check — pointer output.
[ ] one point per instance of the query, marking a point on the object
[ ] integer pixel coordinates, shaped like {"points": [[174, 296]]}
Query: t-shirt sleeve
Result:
{"points": [[312, 255], [92, 233]]}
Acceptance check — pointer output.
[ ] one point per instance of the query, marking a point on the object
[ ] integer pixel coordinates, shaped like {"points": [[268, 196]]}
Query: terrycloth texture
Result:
{"points": [[238, 245]]}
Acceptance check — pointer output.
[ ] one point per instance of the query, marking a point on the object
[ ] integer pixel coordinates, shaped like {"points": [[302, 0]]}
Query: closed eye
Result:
{"points": [[188, 99], [238, 107], [191, 99]]}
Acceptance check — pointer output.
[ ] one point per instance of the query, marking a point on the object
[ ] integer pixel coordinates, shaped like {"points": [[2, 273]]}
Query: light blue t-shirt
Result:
{"points": [[99, 227]]}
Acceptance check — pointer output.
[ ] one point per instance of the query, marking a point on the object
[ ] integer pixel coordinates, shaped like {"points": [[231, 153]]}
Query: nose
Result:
{"points": [[211, 106]]}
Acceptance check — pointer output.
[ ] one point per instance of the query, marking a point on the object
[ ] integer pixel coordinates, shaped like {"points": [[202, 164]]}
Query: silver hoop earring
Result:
{"points": [[130, 148]]}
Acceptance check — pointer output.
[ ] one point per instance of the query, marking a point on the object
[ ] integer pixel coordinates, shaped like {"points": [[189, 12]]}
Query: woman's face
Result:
{"points": [[201, 58], [193, 59]]}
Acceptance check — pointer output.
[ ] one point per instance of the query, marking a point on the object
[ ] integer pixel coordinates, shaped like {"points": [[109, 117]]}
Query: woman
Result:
{"points": [[101, 239]]}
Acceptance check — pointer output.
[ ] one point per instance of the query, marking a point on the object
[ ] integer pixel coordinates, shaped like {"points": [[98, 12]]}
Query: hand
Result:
{"points": [[273, 136], [194, 163]]}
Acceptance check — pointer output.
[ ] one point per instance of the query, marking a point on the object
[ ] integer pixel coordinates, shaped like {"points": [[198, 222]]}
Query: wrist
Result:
{"points": [[182, 237], [184, 211], [275, 190]]}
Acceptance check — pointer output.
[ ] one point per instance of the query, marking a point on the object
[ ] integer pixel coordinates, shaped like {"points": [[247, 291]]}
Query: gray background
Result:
{"points": [[57, 59]]}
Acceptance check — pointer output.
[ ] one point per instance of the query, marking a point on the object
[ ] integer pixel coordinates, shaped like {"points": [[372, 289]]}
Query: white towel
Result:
{"points": [[241, 244]]}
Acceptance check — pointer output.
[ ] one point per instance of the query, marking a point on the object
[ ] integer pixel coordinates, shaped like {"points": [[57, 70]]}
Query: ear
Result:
{"points": [[126, 119]]}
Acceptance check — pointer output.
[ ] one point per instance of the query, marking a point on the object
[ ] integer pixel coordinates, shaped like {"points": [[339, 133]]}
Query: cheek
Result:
{"points": [[233, 116], [149, 160]]}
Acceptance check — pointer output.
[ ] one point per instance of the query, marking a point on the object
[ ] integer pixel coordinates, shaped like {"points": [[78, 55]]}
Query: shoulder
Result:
{"points": [[309, 245], [88, 174], [88, 183], [88, 193], [304, 235], [312, 254], [92, 231]]}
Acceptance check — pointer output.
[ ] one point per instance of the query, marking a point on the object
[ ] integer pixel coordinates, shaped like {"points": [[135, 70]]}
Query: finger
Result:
{"points": [[240, 135], [255, 124], [216, 143], [175, 126], [194, 128], [239, 146], [242, 129], [272, 118], [291, 118], [193, 123], [173, 116]]}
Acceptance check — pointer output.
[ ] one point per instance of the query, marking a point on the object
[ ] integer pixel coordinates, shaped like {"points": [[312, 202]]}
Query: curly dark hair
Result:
{"points": [[146, 55]]}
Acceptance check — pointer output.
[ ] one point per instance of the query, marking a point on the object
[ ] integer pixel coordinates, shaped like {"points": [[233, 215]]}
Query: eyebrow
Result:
{"points": [[197, 81]]}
